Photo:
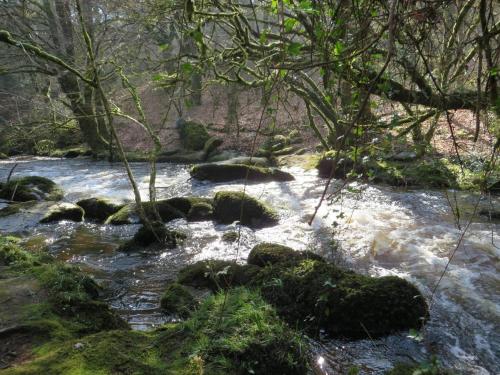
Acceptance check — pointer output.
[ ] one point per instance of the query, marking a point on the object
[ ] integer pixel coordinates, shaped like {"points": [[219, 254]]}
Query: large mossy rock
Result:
{"points": [[98, 209], [178, 300], [231, 206], [3, 156], [247, 160], [193, 135], [63, 211], [31, 188], [266, 253], [156, 234], [343, 166], [191, 208], [230, 172], [211, 145], [217, 274], [318, 295]]}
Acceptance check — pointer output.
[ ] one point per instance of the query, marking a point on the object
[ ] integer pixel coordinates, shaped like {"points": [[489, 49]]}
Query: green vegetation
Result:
{"points": [[178, 300], [313, 294], [31, 188], [230, 172], [72, 332], [266, 253], [231, 206]]}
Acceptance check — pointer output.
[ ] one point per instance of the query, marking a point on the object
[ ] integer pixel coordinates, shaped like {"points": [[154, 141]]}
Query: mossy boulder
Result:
{"points": [[168, 209], [193, 135], [178, 300], [231, 236], [71, 153], [265, 254], [231, 206], [231, 172], [217, 274], [211, 145], [31, 188], [155, 234], [98, 209], [3, 156], [200, 212], [63, 211], [317, 295]]}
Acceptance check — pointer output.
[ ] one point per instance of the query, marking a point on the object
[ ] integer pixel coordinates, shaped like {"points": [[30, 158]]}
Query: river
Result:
{"points": [[373, 229]]}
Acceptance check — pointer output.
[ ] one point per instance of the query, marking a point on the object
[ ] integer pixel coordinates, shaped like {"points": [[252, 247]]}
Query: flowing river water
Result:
{"points": [[372, 229]]}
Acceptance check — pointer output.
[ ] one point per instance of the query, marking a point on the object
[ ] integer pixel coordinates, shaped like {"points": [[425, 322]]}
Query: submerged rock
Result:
{"points": [[193, 135], [266, 253], [63, 211], [98, 209], [230, 172], [31, 188], [231, 206], [178, 300]]}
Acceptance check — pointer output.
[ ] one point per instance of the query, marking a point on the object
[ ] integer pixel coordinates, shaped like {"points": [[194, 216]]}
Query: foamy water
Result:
{"points": [[376, 230]]}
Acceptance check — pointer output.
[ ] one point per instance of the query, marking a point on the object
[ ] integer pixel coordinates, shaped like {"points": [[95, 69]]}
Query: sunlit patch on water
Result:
{"points": [[376, 230]]}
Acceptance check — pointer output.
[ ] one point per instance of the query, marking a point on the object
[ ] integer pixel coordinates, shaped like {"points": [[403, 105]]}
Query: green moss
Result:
{"points": [[71, 152], [270, 253], [98, 209], [193, 135], [216, 274], [235, 333], [63, 211], [3, 156], [178, 300], [157, 235], [31, 188], [317, 295], [12, 254], [230, 206], [200, 212], [230, 172], [168, 209]]}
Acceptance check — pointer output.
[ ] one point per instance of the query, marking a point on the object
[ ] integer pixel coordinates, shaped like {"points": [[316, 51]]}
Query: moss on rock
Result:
{"points": [[98, 209], [31, 188], [266, 253], [157, 234], [230, 206], [211, 145], [230, 172], [231, 236], [63, 211], [178, 300], [3, 156], [317, 295], [168, 209], [193, 135], [200, 212], [216, 274]]}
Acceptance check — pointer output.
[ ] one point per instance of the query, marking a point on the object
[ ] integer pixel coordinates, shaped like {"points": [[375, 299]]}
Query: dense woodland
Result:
{"points": [[133, 126]]}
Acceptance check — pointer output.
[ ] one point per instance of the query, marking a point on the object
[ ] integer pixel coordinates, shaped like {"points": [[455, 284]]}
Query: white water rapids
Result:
{"points": [[372, 229]]}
